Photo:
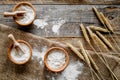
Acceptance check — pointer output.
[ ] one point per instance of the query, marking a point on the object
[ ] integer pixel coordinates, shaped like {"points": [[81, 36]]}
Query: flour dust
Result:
{"points": [[40, 23], [72, 72], [56, 25], [39, 55]]}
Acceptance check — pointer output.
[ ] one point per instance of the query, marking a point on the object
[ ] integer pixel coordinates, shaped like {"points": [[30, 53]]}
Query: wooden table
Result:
{"points": [[73, 15]]}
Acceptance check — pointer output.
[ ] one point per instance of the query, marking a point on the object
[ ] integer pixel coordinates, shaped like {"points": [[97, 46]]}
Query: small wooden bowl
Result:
{"points": [[19, 63], [63, 67], [24, 3]]}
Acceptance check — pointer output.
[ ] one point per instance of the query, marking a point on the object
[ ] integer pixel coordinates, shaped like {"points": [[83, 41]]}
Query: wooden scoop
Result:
{"points": [[16, 44], [15, 14]]}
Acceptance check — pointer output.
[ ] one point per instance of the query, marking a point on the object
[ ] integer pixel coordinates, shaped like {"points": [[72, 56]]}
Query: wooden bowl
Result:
{"points": [[23, 62], [61, 68], [24, 3]]}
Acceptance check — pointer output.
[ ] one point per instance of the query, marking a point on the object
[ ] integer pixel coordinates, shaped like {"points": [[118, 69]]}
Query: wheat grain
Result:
{"points": [[75, 51], [98, 15], [84, 33], [105, 40], [106, 22], [84, 53], [95, 28], [96, 39]]}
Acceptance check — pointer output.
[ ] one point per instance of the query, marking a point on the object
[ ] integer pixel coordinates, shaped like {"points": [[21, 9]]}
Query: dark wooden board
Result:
{"points": [[62, 1], [72, 14]]}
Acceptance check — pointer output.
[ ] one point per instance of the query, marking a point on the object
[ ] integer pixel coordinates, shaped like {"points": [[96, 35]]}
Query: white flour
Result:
{"points": [[28, 16], [72, 72], [39, 55], [56, 59], [20, 56], [57, 25], [39, 23]]}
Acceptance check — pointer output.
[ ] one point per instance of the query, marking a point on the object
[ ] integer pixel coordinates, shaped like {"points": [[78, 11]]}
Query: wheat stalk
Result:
{"points": [[100, 16], [95, 38], [90, 58], [104, 61]]}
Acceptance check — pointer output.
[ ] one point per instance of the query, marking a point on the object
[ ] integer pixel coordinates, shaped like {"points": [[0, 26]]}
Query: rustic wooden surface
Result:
{"points": [[73, 15], [35, 70], [63, 1]]}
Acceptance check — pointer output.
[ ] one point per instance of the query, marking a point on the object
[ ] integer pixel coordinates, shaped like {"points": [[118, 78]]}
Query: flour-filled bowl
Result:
{"points": [[28, 17], [56, 59], [17, 56]]}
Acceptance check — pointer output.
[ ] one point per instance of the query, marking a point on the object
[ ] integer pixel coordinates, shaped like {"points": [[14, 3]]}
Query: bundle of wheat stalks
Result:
{"points": [[100, 40]]}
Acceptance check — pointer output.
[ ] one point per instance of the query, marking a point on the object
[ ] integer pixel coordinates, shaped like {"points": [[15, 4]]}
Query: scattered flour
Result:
{"points": [[57, 25], [20, 56], [28, 16], [56, 59], [72, 72], [39, 55], [39, 23]]}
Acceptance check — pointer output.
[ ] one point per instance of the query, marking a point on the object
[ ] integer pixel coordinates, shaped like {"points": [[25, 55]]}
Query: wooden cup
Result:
{"points": [[9, 53], [24, 3], [61, 68]]}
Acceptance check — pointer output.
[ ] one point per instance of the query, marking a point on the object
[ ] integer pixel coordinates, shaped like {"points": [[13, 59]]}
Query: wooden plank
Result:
{"points": [[62, 1], [73, 15], [75, 41]]}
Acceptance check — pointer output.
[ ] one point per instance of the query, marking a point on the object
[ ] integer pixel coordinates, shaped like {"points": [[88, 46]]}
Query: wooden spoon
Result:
{"points": [[16, 44]]}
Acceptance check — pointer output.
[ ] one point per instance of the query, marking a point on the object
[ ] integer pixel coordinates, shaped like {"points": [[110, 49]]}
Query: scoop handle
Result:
{"points": [[10, 36], [16, 44], [8, 14]]}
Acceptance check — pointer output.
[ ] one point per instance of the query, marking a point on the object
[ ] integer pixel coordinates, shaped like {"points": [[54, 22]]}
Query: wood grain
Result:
{"points": [[73, 15], [62, 1]]}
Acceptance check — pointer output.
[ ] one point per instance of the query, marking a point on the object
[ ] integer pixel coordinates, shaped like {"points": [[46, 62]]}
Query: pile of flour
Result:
{"points": [[28, 16], [56, 59], [18, 56]]}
